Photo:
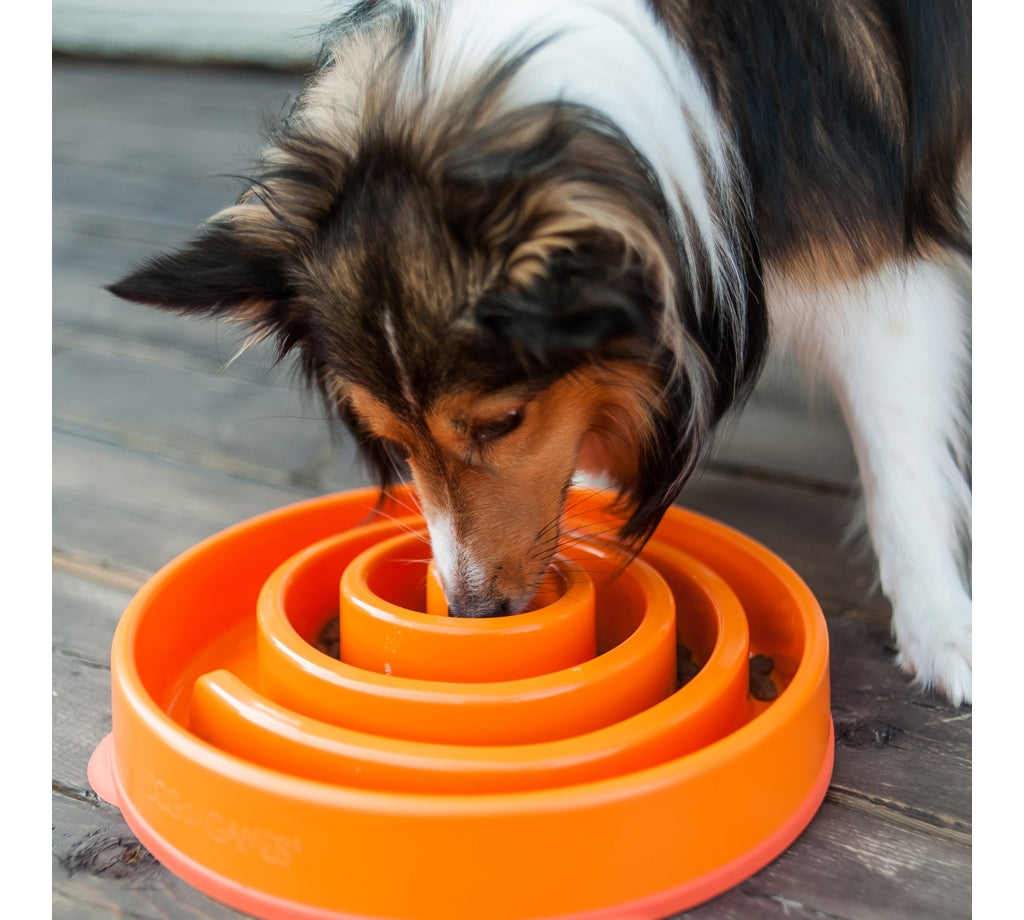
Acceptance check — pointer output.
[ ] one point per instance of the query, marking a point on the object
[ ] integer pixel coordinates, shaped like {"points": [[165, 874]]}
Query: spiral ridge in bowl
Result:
{"points": [[548, 764]]}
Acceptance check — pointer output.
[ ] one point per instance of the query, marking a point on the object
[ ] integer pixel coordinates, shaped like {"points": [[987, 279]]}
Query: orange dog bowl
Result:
{"points": [[545, 765]]}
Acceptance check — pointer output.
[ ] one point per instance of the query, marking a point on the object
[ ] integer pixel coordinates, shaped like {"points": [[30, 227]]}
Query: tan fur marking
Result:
{"points": [[378, 418], [821, 261]]}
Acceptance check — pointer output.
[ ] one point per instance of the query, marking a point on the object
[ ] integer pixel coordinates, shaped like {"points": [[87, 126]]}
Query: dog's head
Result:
{"points": [[495, 298]]}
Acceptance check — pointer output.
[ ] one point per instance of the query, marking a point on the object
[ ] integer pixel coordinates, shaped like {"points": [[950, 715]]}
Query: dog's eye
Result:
{"points": [[495, 428]]}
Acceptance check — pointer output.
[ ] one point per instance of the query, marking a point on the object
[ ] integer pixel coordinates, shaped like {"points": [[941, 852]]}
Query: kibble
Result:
{"points": [[329, 640], [686, 668], [762, 687]]}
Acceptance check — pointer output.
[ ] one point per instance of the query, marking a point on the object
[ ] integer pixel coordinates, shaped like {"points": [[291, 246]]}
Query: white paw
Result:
{"points": [[934, 642]]}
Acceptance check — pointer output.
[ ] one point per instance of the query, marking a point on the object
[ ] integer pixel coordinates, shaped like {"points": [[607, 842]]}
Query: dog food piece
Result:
{"points": [[762, 687], [329, 640], [686, 667]]}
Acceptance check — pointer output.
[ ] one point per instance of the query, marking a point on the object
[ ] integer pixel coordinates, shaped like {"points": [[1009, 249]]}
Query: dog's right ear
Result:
{"points": [[235, 269]]}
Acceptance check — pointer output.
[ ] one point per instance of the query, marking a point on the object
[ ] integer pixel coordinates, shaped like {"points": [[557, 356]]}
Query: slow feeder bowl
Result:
{"points": [[546, 765]]}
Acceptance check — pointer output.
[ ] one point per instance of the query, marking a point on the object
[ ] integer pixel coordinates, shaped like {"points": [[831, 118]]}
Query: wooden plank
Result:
{"points": [[132, 511], [86, 609], [106, 325], [790, 442], [851, 866], [186, 413], [87, 317], [95, 196], [790, 429], [85, 613], [80, 716], [155, 94], [100, 870], [117, 131]]}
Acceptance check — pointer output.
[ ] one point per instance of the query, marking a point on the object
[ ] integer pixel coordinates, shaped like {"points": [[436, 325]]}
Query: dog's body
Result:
{"points": [[513, 241]]}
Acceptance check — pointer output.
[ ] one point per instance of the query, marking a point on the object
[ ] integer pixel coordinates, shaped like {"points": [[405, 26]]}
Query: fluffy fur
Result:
{"points": [[512, 241]]}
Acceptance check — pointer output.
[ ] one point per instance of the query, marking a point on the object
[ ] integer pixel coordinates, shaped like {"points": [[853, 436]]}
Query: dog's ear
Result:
{"points": [[583, 301], [234, 269]]}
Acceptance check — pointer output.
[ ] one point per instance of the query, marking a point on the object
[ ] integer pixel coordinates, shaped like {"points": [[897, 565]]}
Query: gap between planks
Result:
{"points": [[891, 814], [124, 579]]}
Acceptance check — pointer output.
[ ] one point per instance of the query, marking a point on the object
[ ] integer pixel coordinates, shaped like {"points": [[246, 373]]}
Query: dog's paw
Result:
{"points": [[935, 646]]}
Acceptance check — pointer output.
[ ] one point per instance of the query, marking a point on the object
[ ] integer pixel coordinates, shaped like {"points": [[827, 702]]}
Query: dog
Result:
{"points": [[513, 242]]}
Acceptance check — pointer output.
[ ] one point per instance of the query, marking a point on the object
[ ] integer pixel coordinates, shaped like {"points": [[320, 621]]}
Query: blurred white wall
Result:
{"points": [[278, 33]]}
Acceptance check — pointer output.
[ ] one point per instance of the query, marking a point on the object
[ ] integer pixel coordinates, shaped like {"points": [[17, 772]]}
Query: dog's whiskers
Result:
{"points": [[408, 525]]}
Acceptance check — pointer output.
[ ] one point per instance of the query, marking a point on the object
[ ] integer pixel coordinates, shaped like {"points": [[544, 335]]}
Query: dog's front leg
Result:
{"points": [[895, 345]]}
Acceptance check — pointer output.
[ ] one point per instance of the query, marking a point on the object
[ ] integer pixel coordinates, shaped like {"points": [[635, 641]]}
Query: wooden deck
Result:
{"points": [[157, 445]]}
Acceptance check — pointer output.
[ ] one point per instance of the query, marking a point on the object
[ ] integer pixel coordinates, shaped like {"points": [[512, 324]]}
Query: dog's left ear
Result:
{"points": [[235, 269]]}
